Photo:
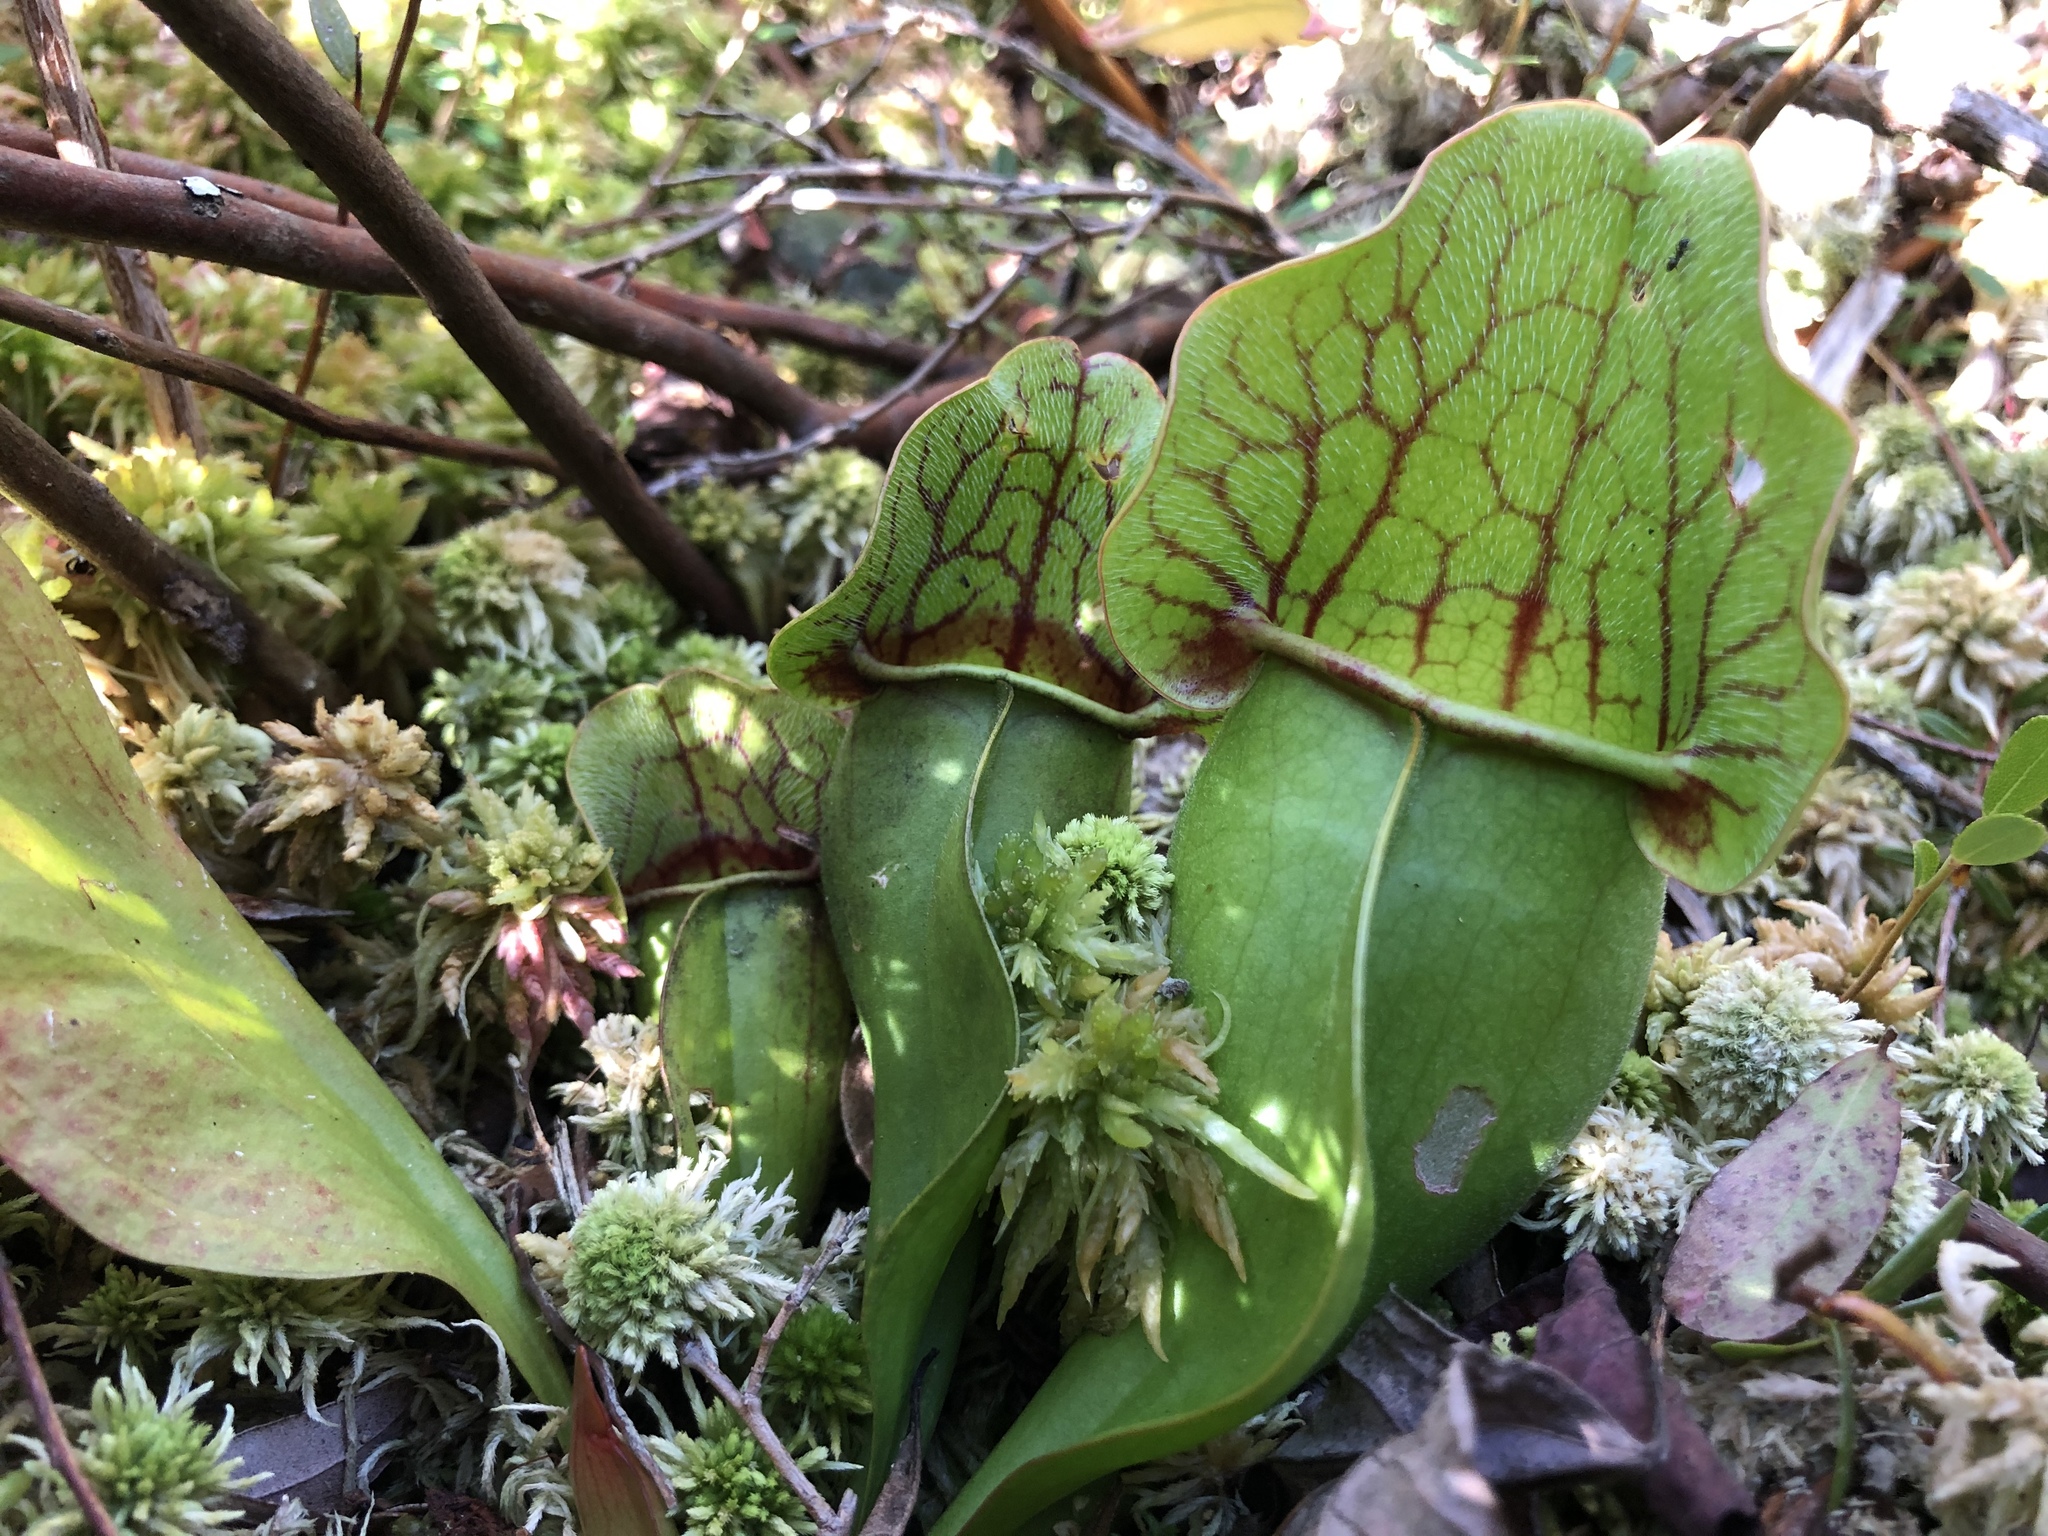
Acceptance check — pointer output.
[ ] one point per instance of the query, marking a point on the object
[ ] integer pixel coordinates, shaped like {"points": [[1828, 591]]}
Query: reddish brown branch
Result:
{"points": [[192, 596], [770, 322], [75, 129], [1954, 455], [1812, 56], [97, 335], [39, 195], [55, 1441]]}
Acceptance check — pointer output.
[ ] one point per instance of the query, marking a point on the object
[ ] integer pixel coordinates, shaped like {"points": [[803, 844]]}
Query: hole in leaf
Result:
{"points": [[1745, 478], [1454, 1135]]}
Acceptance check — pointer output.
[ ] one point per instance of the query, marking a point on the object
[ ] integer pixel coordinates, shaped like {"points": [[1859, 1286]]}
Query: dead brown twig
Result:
{"points": [[260, 65], [75, 125], [109, 340], [745, 1400], [1854, 1307], [55, 1441], [1807, 61], [192, 596], [1949, 450]]}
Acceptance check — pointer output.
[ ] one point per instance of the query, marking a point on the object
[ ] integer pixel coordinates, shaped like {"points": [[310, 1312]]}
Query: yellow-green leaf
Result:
{"points": [[1521, 460], [1201, 29], [164, 1081]]}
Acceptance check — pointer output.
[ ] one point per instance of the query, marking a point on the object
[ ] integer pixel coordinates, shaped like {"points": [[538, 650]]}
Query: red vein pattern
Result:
{"points": [[1528, 447], [984, 550], [691, 779]]}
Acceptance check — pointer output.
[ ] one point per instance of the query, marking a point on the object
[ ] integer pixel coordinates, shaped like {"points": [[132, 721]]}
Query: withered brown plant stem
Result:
{"points": [[55, 1441]]}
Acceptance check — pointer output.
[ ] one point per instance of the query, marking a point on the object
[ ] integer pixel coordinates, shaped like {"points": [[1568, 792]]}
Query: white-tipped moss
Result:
{"points": [[1753, 1036], [1982, 1099], [656, 1259], [1623, 1186], [158, 1470], [1965, 638]]}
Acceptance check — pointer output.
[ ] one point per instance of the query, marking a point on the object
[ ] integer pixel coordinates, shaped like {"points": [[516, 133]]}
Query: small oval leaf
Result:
{"points": [[2019, 779], [1926, 862], [1198, 30], [1998, 840], [1823, 1169], [338, 38]]}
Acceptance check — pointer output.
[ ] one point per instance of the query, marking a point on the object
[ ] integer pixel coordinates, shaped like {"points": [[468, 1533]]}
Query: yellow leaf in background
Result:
{"points": [[1201, 29]]}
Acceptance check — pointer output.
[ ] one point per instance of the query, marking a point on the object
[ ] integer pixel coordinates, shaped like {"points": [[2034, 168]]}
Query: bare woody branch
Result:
{"points": [[1829, 38], [75, 126], [58, 1444], [46, 197], [1986, 127], [97, 335], [192, 596], [769, 322], [257, 62]]}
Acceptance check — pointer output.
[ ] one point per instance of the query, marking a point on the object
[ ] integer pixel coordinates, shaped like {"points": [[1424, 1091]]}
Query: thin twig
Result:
{"points": [[284, 234], [714, 466], [131, 285], [1807, 61], [1945, 951], [700, 1357], [1855, 1307], [1922, 739], [55, 1441], [109, 340], [1508, 51], [745, 1401], [828, 1250], [1896, 929], [1949, 450], [239, 44], [1726, 46], [1614, 37]]}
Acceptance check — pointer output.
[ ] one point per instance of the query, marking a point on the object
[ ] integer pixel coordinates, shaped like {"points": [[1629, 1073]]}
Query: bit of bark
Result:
{"points": [[1829, 38], [256, 61], [1915, 774], [97, 335], [1984, 1225], [1987, 128], [55, 1441], [75, 128], [192, 596]]}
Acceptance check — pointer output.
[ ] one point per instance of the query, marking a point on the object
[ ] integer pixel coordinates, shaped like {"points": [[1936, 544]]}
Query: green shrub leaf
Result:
{"points": [[2019, 779], [1998, 840]]}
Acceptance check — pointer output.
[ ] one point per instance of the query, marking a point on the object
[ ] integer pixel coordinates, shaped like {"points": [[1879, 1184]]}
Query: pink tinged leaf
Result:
{"points": [[615, 1494], [1822, 1172]]}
